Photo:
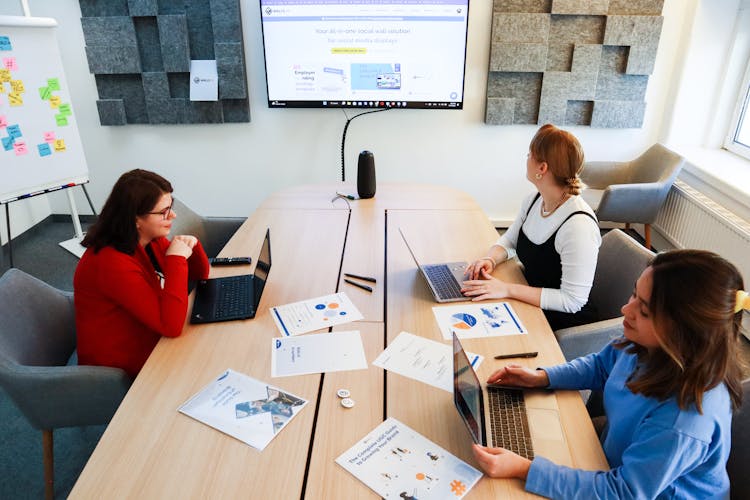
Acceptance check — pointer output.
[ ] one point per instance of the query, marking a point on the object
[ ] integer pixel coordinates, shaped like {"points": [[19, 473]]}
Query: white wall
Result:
{"points": [[229, 169]]}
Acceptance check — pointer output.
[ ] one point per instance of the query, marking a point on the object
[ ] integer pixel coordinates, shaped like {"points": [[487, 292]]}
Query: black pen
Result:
{"points": [[517, 355], [365, 278], [363, 287]]}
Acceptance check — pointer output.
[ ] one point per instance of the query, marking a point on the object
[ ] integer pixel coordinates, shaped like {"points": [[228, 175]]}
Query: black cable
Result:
{"points": [[343, 136]]}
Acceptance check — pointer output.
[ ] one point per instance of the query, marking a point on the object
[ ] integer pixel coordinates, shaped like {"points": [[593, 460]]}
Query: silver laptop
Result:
{"points": [[522, 422], [444, 279]]}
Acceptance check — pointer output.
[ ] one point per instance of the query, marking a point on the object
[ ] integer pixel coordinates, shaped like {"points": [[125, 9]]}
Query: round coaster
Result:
{"points": [[343, 393], [347, 403]]}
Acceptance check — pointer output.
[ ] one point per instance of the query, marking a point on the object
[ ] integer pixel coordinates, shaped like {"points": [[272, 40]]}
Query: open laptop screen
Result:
{"points": [[262, 267], [467, 393]]}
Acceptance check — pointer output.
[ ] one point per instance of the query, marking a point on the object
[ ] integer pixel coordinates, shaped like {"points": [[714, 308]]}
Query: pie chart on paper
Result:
{"points": [[463, 321]]}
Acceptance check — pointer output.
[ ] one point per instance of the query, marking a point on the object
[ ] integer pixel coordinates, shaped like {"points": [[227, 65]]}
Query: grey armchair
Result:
{"points": [[621, 262], [632, 191], [739, 479], [37, 339], [213, 232]]}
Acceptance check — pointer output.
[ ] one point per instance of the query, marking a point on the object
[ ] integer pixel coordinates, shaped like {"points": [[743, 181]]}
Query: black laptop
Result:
{"points": [[233, 297]]}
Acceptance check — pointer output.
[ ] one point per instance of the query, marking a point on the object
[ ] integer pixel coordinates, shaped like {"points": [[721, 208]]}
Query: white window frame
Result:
{"points": [[741, 117]]}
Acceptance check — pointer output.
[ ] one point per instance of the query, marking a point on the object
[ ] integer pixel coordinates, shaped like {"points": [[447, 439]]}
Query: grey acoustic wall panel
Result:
{"points": [[140, 53], [572, 62]]}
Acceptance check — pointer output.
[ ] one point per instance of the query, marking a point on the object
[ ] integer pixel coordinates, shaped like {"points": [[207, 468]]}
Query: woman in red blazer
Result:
{"points": [[131, 285]]}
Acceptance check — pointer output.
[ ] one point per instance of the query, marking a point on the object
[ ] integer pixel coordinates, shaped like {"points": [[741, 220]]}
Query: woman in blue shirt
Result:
{"points": [[670, 385]]}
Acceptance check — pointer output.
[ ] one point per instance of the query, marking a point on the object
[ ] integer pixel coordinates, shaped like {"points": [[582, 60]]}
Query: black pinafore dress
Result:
{"points": [[543, 269]]}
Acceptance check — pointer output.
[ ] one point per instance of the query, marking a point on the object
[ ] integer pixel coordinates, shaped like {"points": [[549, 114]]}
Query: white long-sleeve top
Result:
{"points": [[577, 242]]}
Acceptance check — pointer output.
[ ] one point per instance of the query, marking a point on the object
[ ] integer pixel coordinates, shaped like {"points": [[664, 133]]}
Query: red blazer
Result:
{"points": [[121, 309]]}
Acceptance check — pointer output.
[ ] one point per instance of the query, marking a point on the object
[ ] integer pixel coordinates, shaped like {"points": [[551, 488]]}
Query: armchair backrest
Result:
{"points": [[188, 222], [739, 479], [656, 164], [38, 321], [621, 261]]}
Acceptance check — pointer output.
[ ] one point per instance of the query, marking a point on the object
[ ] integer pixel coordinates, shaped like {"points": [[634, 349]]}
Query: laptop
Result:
{"points": [[524, 423], [233, 297], [444, 279]]}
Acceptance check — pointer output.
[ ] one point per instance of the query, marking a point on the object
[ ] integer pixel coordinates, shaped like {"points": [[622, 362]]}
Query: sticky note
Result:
{"points": [[49, 137], [54, 102], [45, 93], [20, 148], [10, 63], [59, 145], [4, 75], [53, 83], [65, 109], [14, 131], [5, 43], [17, 86], [44, 149], [8, 143], [15, 99], [3, 121], [2, 87], [61, 120]]}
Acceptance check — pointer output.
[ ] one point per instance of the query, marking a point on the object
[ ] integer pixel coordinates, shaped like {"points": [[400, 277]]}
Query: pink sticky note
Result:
{"points": [[19, 148], [3, 121], [10, 63], [49, 137]]}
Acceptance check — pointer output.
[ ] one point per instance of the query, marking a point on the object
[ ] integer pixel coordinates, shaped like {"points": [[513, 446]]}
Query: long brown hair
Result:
{"points": [[692, 305], [135, 193], [563, 154]]}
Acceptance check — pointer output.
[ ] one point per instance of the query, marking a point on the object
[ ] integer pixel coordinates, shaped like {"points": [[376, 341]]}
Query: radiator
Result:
{"points": [[689, 219]]}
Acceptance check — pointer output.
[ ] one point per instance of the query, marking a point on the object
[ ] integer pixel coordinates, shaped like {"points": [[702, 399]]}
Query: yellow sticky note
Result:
{"points": [[59, 145], [17, 86], [2, 88], [54, 102], [15, 99], [4, 75]]}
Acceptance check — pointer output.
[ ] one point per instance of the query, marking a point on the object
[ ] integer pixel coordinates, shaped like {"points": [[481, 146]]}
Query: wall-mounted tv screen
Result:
{"points": [[365, 53]]}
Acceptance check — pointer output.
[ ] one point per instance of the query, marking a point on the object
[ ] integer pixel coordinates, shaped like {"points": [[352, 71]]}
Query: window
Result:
{"points": [[738, 139]]}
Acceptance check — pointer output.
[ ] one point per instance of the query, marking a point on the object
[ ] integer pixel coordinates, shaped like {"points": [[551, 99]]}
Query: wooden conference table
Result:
{"points": [[150, 450]]}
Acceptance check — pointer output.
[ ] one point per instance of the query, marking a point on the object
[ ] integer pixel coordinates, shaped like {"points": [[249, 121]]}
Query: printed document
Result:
{"points": [[422, 359], [397, 462], [315, 314], [317, 353], [478, 320], [243, 407]]}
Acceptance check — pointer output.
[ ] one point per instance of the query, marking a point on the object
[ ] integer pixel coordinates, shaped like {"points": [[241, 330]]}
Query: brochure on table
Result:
{"points": [[243, 407], [478, 320], [317, 353], [397, 462], [315, 314], [422, 359]]}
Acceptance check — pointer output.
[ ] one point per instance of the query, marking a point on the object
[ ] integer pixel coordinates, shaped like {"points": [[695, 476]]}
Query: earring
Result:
{"points": [[537, 176]]}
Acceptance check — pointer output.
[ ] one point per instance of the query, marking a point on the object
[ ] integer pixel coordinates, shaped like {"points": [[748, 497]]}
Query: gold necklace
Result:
{"points": [[559, 203]]}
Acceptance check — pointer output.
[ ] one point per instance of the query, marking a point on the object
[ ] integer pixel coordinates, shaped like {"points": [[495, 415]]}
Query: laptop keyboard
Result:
{"points": [[509, 424], [233, 298], [443, 280]]}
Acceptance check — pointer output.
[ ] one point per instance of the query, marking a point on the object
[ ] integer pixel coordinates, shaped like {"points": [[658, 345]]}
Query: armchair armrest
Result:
{"points": [[581, 340], [66, 396]]}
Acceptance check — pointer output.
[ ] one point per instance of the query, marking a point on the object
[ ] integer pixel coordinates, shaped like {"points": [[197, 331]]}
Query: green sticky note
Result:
{"points": [[45, 93], [65, 110], [53, 83], [61, 120]]}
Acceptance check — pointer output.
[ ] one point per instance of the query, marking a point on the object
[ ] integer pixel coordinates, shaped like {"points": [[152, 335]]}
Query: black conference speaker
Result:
{"points": [[366, 175]]}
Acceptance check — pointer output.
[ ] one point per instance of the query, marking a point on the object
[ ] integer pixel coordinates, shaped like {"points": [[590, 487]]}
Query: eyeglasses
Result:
{"points": [[164, 213]]}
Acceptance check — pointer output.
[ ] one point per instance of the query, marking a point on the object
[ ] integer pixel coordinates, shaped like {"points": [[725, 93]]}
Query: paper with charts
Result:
{"points": [[478, 320], [397, 462], [243, 407], [315, 314], [317, 353], [422, 359]]}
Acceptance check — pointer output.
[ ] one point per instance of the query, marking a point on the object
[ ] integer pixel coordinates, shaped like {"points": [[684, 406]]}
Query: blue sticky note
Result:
{"points": [[8, 143], [44, 149], [5, 43], [14, 131]]}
